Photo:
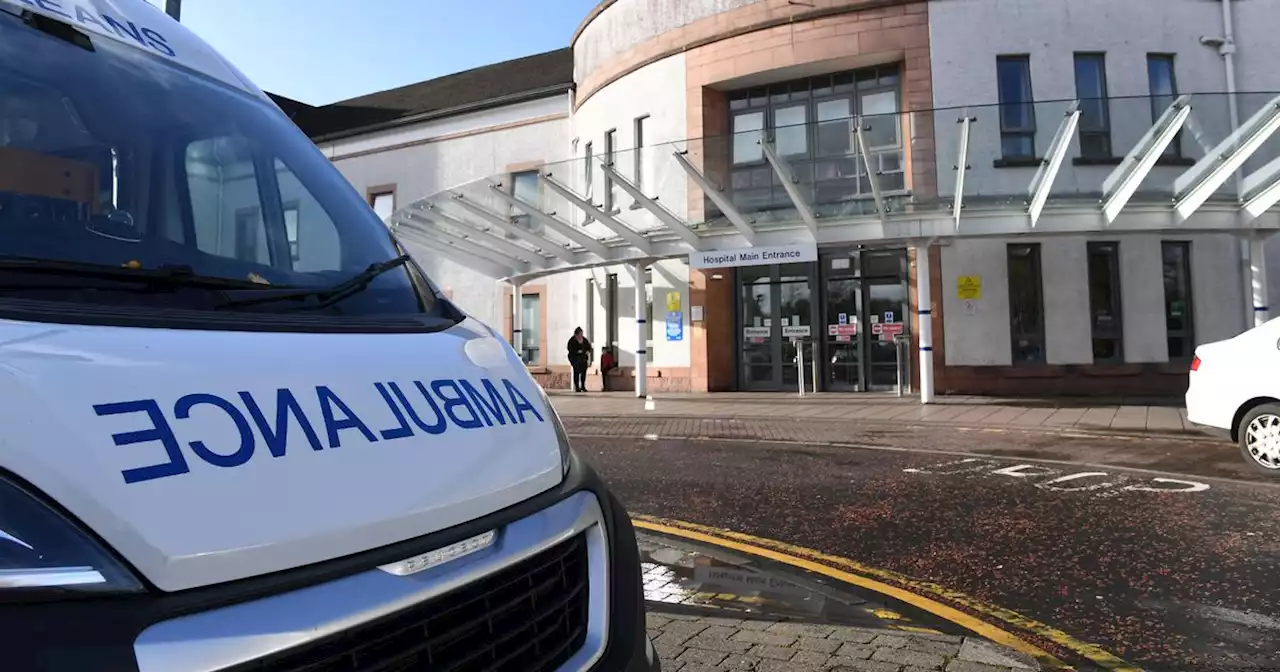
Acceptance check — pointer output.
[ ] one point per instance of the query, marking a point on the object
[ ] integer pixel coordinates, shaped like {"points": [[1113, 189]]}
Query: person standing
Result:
{"points": [[607, 364], [580, 358]]}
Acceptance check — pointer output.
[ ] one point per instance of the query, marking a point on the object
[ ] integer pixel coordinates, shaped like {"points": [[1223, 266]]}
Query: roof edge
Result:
{"points": [[591, 16], [478, 106]]}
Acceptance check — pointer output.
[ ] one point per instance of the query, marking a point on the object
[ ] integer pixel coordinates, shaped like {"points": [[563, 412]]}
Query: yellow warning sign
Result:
{"points": [[969, 287], [673, 302]]}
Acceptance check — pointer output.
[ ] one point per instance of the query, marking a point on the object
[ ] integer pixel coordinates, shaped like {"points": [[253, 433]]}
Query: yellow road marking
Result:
{"points": [[821, 563], [916, 628]]}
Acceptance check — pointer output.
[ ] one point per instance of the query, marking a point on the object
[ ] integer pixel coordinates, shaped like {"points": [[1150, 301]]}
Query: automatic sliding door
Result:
{"points": [[794, 311], [887, 309], [756, 306], [774, 306], [843, 352]]}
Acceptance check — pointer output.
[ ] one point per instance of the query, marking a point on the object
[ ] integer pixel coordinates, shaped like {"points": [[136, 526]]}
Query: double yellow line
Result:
{"points": [[860, 575]]}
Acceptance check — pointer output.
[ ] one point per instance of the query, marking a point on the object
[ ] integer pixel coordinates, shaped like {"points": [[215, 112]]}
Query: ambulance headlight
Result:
{"points": [[561, 436], [45, 555]]}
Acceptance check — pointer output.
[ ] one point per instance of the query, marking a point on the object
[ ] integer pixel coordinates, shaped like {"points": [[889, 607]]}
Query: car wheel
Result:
{"points": [[1259, 433]]}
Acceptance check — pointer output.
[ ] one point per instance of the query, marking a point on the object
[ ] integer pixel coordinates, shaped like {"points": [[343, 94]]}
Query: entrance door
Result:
{"points": [[843, 347], [865, 306], [774, 306], [886, 301]]}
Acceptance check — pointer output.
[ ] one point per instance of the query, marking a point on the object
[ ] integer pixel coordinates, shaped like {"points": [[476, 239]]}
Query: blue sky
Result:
{"points": [[320, 51]]}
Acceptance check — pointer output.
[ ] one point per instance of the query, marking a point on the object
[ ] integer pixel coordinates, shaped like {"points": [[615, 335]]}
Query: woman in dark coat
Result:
{"points": [[580, 358]]}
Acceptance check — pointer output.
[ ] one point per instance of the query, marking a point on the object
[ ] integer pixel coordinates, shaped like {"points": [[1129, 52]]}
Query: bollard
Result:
{"points": [[800, 364], [813, 359], [897, 356]]}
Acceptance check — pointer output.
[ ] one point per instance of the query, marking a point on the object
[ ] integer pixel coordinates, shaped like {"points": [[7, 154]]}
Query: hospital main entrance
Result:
{"points": [[847, 307]]}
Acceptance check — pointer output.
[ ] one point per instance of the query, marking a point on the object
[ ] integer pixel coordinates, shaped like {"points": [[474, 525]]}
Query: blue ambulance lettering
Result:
{"points": [[438, 406], [124, 28]]}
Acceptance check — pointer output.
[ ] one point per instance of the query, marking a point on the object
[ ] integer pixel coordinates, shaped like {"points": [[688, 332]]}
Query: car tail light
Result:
{"points": [[1195, 363]]}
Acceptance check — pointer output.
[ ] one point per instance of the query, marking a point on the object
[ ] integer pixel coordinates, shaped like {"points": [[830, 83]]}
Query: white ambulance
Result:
{"points": [[239, 429]]}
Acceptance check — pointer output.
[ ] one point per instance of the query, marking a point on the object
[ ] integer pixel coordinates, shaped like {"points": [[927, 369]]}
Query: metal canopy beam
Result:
{"points": [[1261, 190], [789, 183], [485, 266], [502, 223], [625, 232], [672, 222], [403, 224], [718, 197], [1195, 186], [563, 228], [872, 176], [1042, 183], [1120, 186], [437, 216], [962, 166]]}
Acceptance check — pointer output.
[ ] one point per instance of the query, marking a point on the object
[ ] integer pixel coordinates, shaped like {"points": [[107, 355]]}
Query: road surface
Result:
{"points": [[1166, 572]]}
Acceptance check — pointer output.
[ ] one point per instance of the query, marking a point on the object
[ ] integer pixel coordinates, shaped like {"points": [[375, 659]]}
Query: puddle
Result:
{"points": [[675, 573]]}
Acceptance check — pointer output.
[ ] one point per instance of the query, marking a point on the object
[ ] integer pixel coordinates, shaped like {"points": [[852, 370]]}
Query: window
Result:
{"points": [[526, 189], [746, 137], [588, 170], [250, 243], [291, 229], [1164, 90], [321, 248], [834, 133], [791, 130], [638, 174], [611, 311], [648, 315], [809, 122], [222, 183], [1026, 304], [383, 202], [1178, 318], [531, 328], [1104, 302], [610, 146], [1095, 115], [1017, 111]]}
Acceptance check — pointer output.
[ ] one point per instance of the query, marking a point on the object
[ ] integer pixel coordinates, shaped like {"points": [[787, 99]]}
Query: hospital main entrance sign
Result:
{"points": [[754, 256]]}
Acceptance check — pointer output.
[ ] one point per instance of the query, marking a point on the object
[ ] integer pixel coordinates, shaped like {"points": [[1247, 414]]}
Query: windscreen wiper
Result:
{"points": [[164, 276], [327, 295]]}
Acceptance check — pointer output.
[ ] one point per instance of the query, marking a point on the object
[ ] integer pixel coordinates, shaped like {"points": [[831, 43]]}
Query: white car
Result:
{"points": [[240, 428], [1235, 390]]}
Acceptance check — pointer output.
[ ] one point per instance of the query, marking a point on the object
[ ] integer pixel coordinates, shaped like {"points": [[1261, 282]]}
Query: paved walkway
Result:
{"points": [[691, 643], [1130, 416]]}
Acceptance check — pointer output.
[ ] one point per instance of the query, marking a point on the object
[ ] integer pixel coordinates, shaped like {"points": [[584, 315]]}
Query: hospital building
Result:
{"points": [[1038, 197]]}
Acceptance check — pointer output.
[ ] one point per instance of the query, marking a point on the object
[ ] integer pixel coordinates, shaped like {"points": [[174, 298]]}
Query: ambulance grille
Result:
{"points": [[530, 616]]}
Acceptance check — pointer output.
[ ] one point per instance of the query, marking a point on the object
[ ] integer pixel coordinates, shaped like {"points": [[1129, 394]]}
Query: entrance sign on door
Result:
{"points": [[756, 332], [800, 331], [754, 256]]}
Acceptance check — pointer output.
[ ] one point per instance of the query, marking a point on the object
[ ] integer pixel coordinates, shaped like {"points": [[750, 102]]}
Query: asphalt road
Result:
{"points": [[1182, 573]]}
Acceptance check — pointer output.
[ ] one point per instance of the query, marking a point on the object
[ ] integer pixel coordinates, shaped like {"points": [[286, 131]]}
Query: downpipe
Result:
{"points": [[1226, 46]]}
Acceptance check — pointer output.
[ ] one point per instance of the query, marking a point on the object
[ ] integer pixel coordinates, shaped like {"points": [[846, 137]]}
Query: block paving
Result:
{"points": [[698, 643]]}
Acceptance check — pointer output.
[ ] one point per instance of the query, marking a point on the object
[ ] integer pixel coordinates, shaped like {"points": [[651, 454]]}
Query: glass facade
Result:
{"points": [[811, 122]]}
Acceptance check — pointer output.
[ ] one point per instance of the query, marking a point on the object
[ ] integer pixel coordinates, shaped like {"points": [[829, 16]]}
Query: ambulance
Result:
{"points": [[240, 429]]}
